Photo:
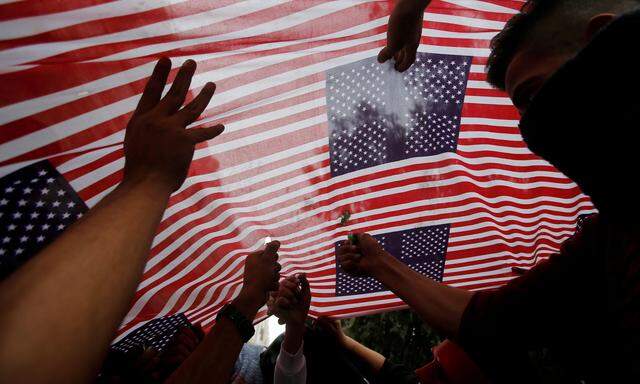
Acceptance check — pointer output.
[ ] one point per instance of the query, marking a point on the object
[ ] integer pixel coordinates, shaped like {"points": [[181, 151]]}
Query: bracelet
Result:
{"points": [[243, 325]]}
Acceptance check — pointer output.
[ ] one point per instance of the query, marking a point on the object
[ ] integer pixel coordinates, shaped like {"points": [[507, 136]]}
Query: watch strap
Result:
{"points": [[244, 325]]}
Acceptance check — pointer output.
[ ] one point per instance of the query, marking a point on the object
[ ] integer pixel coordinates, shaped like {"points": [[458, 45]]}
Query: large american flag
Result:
{"points": [[72, 71]]}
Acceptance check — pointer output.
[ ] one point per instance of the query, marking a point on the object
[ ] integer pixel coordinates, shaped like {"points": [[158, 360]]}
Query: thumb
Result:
{"points": [[304, 284], [199, 135], [385, 54], [272, 248]]}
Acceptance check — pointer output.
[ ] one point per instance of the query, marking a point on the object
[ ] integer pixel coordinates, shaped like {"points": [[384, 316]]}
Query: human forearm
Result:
{"points": [[437, 304], [371, 357], [293, 338], [67, 302], [214, 358]]}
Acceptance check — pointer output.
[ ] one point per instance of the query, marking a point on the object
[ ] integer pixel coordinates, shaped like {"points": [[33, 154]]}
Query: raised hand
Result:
{"points": [[157, 146], [261, 275], [291, 302], [364, 258], [403, 33]]}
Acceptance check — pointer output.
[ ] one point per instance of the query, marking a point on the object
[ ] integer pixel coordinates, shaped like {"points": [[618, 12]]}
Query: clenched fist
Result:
{"points": [[364, 258], [157, 146], [261, 274], [291, 302]]}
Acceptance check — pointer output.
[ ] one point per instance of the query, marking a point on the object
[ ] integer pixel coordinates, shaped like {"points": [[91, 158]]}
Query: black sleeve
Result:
{"points": [[500, 327]]}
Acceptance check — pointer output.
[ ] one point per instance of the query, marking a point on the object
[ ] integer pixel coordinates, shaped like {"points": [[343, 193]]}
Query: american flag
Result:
{"points": [[156, 334], [72, 71], [36, 206]]}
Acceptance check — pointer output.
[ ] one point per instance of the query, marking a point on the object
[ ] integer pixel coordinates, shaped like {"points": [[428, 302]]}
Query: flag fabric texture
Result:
{"points": [[156, 334], [36, 206], [430, 161]]}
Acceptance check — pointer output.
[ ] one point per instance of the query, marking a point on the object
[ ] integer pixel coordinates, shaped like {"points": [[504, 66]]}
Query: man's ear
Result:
{"points": [[596, 23]]}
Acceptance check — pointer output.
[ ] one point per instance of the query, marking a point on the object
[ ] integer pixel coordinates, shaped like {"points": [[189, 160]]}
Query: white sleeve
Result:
{"points": [[290, 369]]}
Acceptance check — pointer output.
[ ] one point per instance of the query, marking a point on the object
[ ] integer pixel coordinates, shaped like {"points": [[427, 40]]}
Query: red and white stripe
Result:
{"points": [[75, 70]]}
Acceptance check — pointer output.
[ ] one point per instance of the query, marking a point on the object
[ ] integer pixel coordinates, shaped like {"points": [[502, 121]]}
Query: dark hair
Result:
{"points": [[564, 31]]}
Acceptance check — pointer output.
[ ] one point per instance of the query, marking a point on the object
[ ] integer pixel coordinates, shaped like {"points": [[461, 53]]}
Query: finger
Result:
{"points": [[272, 248], [194, 109], [408, 59], [153, 90], [291, 280], [399, 59], [287, 294], [348, 257], [385, 54], [284, 303], [288, 284], [305, 288], [348, 265], [173, 100], [277, 269], [198, 135]]}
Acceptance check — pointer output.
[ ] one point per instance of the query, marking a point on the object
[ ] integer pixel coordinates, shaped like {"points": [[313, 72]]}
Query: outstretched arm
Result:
{"points": [[62, 308], [374, 359], [437, 304], [291, 305], [214, 358]]}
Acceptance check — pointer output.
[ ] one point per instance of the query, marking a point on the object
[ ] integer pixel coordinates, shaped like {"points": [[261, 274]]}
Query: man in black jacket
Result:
{"points": [[570, 68]]}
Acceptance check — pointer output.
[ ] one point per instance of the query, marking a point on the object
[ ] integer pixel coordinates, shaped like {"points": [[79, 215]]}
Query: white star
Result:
{"points": [[44, 191], [40, 239], [17, 215], [23, 239], [45, 227], [27, 191], [40, 203], [35, 215], [42, 173], [51, 215], [6, 239], [9, 189], [61, 192], [19, 251], [4, 202]]}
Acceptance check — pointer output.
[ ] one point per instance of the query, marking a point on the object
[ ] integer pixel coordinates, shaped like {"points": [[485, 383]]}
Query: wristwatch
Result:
{"points": [[244, 325]]}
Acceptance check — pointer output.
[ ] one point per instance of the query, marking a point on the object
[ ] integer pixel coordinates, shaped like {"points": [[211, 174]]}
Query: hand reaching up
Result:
{"points": [[364, 258], [403, 33], [291, 302], [157, 146], [261, 275]]}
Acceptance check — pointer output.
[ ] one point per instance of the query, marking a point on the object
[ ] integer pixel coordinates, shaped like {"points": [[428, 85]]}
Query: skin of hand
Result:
{"points": [[403, 33], [156, 144], [334, 328], [365, 258], [261, 275], [93, 268], [213, 359], [291, 302], [438, 304], [371, 357]]}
